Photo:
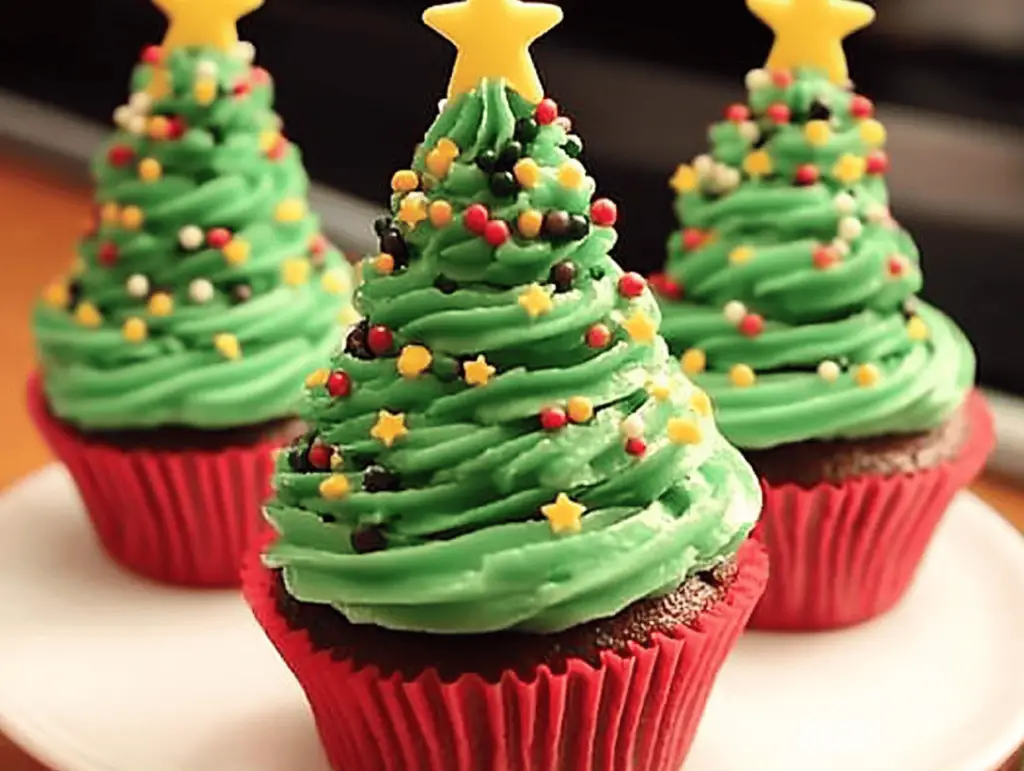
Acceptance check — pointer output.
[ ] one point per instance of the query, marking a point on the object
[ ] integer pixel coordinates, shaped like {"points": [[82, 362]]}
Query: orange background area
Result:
{"points": [[41, 215]]}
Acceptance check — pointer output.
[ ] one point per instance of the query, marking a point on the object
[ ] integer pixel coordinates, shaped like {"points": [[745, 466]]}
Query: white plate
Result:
{"points": [[103, 672]]}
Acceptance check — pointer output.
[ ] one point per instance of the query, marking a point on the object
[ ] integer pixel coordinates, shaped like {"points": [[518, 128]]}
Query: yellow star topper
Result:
{"points": [[493, 39], [208, 23], [810, 33]]}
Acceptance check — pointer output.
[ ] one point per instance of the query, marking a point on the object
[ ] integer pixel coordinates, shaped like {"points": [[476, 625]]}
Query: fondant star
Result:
{"points": [[413, 209], [564, 514], [389, 427], [478, 372], [414, 360], [536, 301]]}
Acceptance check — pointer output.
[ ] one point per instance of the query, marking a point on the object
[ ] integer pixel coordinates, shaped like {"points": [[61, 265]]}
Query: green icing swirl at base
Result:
{"points": [[465, 548], [857, 311], [217, 174]]}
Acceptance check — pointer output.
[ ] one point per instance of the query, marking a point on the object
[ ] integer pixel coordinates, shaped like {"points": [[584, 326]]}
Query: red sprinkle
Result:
{"points": [[825, 257], [665, 286], [862, 107], [497, 232], [782, 78], [598, 336], [218, 238], [553, 418], [379, 340], [896, 266], [259, 76], [151, 55], [107, 254], [779, 113], [317, 244], [339, 384], [693, 238], [737, 113], [636, 446], [752, 325], [807, 174], [877, 162], [631, 285], [475, 218], [278, 149], [176, 127], [319, 456], [120, 155], [546, 112], [604, 212], [242, 88]]}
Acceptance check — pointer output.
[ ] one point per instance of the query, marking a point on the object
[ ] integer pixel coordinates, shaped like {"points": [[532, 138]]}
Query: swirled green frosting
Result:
{"points": [[787, 222], [205, 292], [505, 442]]}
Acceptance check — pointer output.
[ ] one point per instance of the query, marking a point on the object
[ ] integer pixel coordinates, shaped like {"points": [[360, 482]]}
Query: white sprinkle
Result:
{"points": [[632, 427], [704, 165], [140, 101], [207, 69], [842, 247], [441, 105], [122, 115], [190, 237], [200, 291], [137, 285], [749, 131], [850, 228], [564, 122], [757, 79], [136, 124], [734, 311], [727, 178], [245, 51], [829, 370], [878, 213], [845, 203]]}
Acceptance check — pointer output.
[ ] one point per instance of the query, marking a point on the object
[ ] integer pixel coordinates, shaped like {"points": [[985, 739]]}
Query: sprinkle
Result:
{"points": [[335, 487], [536, 301], [751, 325], [527, 172], [683, 431], [641, 328], [726, 177], [384, 264], [137, 285], [339, 384], [389, 427], [131, 218], [529, 223], [758, 79], [200, 291], [758, 164], [140, 102], [438, 164], [404, 181], [850, 228], [873, 133], [741, 255], [440, 213], [158, 127], [204, 91], [290, 210], [317, 378], [693, 361], [268, 140], [829, 371], [660, 388], [295, 271], [227, 345], [333, 282], [849, 168], [571, 174], [878, 213], [477, 372], [87, 315], [704, 165], [742, 376], [136, 124], [632, 426], [553, 418], [245, 52], [917, 330], [825, 257], [749, 131], [818, 132], [110, 213], [564, 515], [413, 209], [207, 68], [190, 237], [867, 375], [236, 251], [841, 247], [701, 403], [447, 148], [57, 295], [845, 204], [579, 409], [636, 446], [413, 361], [134, 330], [161, 304], [150, 170], [734, 311]]}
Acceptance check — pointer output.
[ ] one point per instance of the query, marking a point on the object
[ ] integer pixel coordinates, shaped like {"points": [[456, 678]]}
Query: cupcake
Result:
{"points": [[513, 535], [172, 357], [790, 296]]}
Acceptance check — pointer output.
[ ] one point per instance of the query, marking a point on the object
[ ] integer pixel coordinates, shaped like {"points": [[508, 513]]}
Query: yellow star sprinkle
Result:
{"points": [[810, 33], [683, 431], [529, 223], [413, 209], [161, 304], [290, 210], [236, 251], [477, 372], [334, 282], [685, 179], [818, 132], [134, 330], [110, 214], [536, 301], [660, 388], [917, 330], [640, 328], [389, 427], [758, 164], [742, 376], [564, 515], [849, 168], [873, 133], [527, 172], [701, 403], [295, 271], [227, 345], [404, 181], [579, 409], [440, 213], [413, 361], [571, 174], [132, 217], [87, 315], [740, 255], [493, 39], [56, 295], [867, 375], [150, 170], [335, 487], [317, 378], [693, 361]]}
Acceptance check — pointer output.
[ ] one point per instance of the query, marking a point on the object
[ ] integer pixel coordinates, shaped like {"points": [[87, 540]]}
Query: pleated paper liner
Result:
{"points": [[178, 517], [843, 554], [637, 711]]}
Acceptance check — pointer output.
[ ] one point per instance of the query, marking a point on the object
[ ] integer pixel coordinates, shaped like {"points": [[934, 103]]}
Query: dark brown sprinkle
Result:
{"points": [[391, 242], [509, 154], [355, 342], [526, 130], [241, 293], [381, 224], [368, 538], [819, 111], [562, 275], [503, 184], [328, 518], [556, 223], [298, 460], [487, 161], [579, 227], [377, 479]]}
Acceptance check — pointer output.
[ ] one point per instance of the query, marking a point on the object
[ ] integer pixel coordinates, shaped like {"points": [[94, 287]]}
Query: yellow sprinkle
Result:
{"points": [[529, 223], [295, 271], [131, 217], [683, 431], [389, 427], [150, 170], [334, 282], [268, 139], [336, 460], [447, 148], [290, 210], [917, 330], [440, 213], [384, 264], [641, 328], [135, 330], [685, 179], [336, 486], [236, 251], [742, 376], [536, 301], [56, 295], [477, 372], [413, 209], [527, 172], [414, 360], [317, 378], [660, 388], [701, 403], [873, 133], [404, 181], [227, 345], [818, 132], [571, 174], [693, 361], [579, 409], [161, 304], [740, 255], [758, 164], [87, 315], [564, 515], [205, 91], [110, 214], [158, 127], [438, 164], [849, 168], [867, 375]]}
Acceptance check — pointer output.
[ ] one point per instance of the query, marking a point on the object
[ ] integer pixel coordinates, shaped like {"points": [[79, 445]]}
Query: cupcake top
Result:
{"points": [[204, 291], [789, 291], [504, 442]]}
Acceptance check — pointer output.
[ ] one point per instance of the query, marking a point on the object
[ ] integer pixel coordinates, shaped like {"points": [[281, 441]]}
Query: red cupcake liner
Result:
{"points": [[843, 554], [178, 517], [636, 711]]}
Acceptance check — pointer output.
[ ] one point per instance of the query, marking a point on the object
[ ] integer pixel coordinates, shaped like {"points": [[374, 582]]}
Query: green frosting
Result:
{"points": [[824, 264], [158, 324], [447, 530]]}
